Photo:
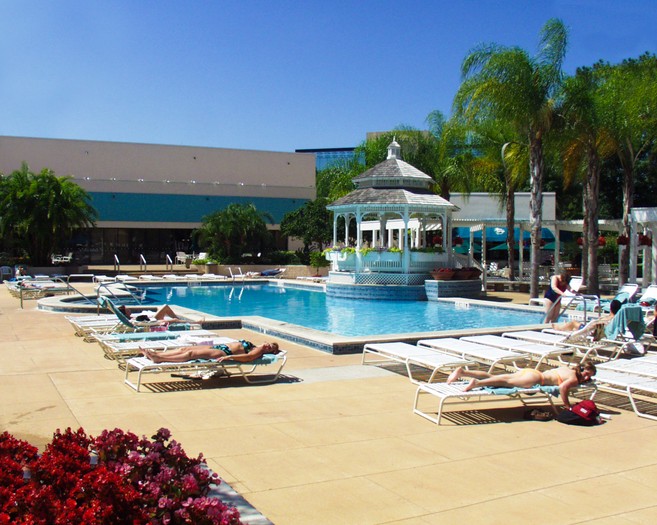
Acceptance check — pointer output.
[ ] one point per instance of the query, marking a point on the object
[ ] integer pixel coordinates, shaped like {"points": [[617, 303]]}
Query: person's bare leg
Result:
{"points": [[549, 315], [164, 312], [462, 372]]}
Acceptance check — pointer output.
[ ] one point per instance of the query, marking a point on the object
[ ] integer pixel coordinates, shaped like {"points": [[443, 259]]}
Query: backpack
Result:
{"points": [[584, 413]]}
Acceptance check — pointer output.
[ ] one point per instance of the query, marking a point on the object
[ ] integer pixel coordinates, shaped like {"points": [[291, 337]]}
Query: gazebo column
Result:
{"points": [[557, 249], [406, 254], [521, 251], [647, 261], [359, 238], [347, 220], [471, 247], [383, 233], [483, 257], [633, 247], [335, 229]]}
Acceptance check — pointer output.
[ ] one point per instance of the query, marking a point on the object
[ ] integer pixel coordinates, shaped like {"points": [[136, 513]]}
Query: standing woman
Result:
{"points": [[558, 285]]}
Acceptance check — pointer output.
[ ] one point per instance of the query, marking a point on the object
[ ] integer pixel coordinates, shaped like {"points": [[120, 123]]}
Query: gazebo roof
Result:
{"points": [[393, 169], [391, 196], [393, 182]]}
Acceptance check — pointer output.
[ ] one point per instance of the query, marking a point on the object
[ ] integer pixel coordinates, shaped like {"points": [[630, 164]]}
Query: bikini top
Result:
{"points": [[247, 345]]}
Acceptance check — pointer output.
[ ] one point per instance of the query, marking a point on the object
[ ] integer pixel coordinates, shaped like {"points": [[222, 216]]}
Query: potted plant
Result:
{"points": [[443, 274]]}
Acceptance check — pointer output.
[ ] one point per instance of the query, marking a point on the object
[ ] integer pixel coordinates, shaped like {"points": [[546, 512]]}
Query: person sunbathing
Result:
{"points": [[164, 314], [564, 377], [574, 326], [241, 351]]}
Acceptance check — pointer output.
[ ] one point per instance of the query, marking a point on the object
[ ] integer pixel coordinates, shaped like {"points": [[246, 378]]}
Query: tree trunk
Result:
{"points": [[536, 165], [584, 261], [628, 201], [591, 218], [510, 234]]}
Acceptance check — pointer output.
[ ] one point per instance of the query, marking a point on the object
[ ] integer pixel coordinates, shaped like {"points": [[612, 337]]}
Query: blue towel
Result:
{"points": [[629, 317], [509, 391]]}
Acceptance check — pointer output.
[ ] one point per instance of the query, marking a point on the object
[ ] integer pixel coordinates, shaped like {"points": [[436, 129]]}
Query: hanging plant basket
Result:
{"points": [[645, 240], [622, 240]]}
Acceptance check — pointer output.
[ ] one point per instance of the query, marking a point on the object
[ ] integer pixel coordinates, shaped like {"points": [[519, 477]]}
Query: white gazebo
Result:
{"points": [[392, 192]]}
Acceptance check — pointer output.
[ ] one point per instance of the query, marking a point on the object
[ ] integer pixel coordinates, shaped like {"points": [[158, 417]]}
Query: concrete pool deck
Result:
{"points": [[334, 442]]}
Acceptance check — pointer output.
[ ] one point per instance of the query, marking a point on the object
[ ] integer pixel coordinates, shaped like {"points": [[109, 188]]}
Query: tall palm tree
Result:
{"points": [[586, 144], [41, 211], [628, 100], [505, 83], [501, 169]]}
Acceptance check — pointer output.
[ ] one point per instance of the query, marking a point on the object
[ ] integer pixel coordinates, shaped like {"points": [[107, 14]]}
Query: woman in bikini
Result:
{"points": [[242, 351], [564, 377]]}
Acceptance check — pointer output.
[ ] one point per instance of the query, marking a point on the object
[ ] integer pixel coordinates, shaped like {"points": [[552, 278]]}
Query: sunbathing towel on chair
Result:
{"points": [[510, 391], [630, 318]]}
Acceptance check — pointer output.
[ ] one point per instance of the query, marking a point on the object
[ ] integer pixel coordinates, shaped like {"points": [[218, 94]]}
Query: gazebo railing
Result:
{"points": [[387, 262]]}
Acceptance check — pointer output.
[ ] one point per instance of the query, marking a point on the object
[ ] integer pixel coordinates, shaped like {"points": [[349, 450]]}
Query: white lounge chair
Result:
{"points": [[631, 385], [59, 259], [409, 355], [181, 257], [538, 351], [648, 298], [488, 355], [626, 332], [238, 275], [103, 279], [454, 392], [120, 350], [143, 365]]}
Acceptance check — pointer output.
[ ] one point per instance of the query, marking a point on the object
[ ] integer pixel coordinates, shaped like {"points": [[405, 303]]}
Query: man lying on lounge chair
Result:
{"points": [[564, 377], [241, 351]]}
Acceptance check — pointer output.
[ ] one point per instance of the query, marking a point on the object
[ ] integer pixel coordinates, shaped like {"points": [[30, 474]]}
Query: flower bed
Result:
{"points": [[113, 478]]}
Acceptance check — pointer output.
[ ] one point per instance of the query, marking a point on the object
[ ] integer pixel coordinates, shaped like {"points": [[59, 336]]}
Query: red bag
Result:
{"points": [[583, 413]]}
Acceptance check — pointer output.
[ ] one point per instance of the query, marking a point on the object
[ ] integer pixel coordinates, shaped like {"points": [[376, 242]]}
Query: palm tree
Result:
{"points": [[628, 100], [236, 229], [586, 144], [41, 212], [501, 169], [505, 83]]}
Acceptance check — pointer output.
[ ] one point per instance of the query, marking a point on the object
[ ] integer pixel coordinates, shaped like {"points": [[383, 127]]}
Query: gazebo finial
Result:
{"points": [[394, 149]]}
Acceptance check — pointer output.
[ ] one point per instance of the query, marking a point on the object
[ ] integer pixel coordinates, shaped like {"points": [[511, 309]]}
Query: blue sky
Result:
{"points": [[270, 75]]}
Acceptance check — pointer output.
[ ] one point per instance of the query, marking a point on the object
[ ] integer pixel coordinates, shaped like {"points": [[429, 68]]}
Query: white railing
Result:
{"points": [[388, 262]]}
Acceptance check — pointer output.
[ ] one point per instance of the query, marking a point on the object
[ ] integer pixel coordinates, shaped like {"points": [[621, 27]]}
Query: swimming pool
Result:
{"points": [[345, 317]]}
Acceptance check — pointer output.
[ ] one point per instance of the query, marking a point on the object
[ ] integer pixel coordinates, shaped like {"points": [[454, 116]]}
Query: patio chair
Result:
{"points": [[626, 331], [580, 342], [454, 392], [539, 352], [181, 258], [631, 385], [648, 298], [238, 275], [409, 355], [119, 350], [143, 365], [488, 355], [6, 272]]}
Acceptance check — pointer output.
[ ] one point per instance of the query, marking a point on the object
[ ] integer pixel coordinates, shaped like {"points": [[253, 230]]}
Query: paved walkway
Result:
{"points": [[335, 442]]}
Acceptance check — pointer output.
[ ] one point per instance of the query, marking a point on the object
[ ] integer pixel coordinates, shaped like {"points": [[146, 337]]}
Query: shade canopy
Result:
{"points": [[498, 234]]}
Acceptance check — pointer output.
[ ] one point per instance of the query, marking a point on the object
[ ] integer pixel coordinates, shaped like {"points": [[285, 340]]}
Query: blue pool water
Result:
{"points": [[347, 317]]}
